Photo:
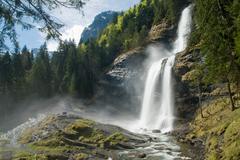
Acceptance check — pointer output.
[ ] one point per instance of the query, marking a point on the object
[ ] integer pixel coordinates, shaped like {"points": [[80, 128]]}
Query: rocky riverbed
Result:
{"points": [[72, 137]]}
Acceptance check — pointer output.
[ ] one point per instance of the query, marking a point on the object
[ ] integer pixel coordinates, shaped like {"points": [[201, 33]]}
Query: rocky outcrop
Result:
{"points": [[213, 131], [186, 102], [162, 32], [67, 137], [185, 93], [119, 85]]}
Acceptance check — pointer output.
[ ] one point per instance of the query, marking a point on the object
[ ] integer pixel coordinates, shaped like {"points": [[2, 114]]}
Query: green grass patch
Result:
{"points": [[220, 127]]}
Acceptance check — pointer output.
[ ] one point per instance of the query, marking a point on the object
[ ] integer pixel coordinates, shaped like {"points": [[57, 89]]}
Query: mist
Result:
{"points": [[103, 108]]}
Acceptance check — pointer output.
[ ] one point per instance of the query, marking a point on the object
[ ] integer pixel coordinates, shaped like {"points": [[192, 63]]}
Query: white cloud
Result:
{"points": [[75, 22], [52, 45], [68, 33], [73, 32]]}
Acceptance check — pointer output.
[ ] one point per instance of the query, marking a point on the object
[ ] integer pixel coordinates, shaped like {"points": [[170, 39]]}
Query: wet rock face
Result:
{"points": [[126, 67], [185, 94], [120, 85]]}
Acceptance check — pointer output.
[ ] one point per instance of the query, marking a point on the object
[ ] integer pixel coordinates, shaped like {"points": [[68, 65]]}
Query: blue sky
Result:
{"points": [[74, 22]]}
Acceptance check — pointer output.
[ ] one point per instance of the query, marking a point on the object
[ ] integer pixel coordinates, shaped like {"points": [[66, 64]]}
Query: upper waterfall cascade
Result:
{"points": [[158, 102]]}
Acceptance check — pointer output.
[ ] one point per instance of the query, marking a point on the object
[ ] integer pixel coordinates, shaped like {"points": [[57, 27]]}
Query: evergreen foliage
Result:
{"points": [[25, 13], [217, 34]]}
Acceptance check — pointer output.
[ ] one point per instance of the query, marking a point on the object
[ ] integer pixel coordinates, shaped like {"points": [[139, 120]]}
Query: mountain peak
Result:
{"points": [[99, 23]]}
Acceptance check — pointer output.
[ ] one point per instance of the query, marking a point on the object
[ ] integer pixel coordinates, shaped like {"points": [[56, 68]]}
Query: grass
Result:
{"points": [[220, 128]]}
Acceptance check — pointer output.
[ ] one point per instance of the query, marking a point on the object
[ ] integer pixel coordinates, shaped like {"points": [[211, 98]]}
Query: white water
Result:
{"points": [[14, 134], [158, 105]]}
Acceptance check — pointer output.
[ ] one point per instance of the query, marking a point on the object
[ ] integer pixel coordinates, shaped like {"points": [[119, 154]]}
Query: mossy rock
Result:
{"points": [[95, 137], [232, 141], [28, 135], [71, 137], [29, 156], [220, 128], [113, 140], [232, 151], [212, 144], [53, 141], [80, 127], [80, 156]]}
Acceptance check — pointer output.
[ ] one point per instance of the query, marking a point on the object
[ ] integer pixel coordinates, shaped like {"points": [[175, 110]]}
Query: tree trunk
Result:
{"points": [[200, 99], [230, 95], [238, 94]]}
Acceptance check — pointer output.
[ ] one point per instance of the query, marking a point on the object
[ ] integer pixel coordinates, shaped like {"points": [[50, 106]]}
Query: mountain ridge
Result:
{"points": [[96, 27]]}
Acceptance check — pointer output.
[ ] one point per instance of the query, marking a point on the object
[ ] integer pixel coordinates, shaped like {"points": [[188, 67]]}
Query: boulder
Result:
{"points": [[141, 155], [156, 131]]}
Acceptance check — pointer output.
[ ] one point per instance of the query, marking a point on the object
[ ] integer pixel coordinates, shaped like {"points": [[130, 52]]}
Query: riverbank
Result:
{"points": [[72, 137]]}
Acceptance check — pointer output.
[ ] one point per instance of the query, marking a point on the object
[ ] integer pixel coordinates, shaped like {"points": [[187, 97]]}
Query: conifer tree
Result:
{"points": [[41, 74]]}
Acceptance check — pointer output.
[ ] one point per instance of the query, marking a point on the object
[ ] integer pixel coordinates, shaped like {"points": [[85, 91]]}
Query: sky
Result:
{"points": [[74, 22]]}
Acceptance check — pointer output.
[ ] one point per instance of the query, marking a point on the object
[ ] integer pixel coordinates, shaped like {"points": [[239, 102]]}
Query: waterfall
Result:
{"points": [[158, 102]]}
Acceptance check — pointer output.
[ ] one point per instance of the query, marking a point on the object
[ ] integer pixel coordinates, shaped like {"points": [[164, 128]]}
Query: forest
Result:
{"points": [[75, 69]]}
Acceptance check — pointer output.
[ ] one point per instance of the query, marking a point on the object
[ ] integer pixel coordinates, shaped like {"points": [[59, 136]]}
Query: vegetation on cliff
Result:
{"points": [[219, 130], [214, 78], [216, 33]]}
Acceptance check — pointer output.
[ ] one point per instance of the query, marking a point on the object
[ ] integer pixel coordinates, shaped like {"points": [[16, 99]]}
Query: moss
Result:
{"points": [[52, 141], [232, 141], [190, 76], [220, 129], [29, 156], [212, 144], [212, 156], [76, 140], [117, 136], [232, 131], [113, 140], [55, 150], [95, 137], [47, 153], [81, 127], [80, 156], [27, 136], [232, 151]]}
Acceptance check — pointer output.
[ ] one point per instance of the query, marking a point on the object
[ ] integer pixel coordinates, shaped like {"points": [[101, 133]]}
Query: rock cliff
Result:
{"points": [[185, 94]]}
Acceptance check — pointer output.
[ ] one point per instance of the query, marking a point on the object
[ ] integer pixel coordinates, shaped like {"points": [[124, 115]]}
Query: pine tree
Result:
{"points": [[6, 73], [216, 29], [18, 75], [27, 58], [41, 74], [58, 66]]}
